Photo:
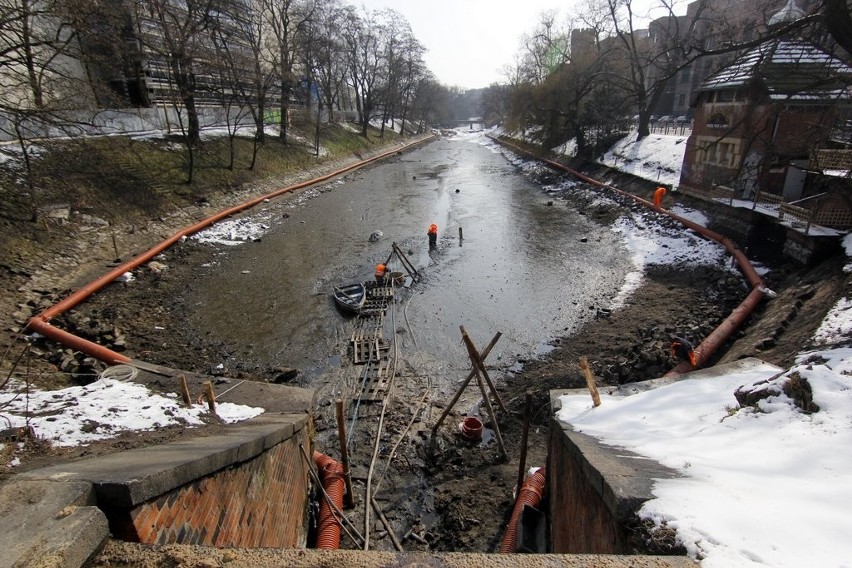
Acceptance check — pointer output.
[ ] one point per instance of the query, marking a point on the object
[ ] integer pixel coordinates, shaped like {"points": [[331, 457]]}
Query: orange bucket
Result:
{"points": [[471, 428]]}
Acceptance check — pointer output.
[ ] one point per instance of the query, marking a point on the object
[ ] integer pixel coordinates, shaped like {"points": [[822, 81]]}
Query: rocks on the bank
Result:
{"points": [[82, 368], [796, 387], [57, 212]]}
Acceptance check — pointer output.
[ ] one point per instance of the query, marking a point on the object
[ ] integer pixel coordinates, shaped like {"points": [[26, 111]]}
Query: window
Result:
{"points": [[724, 96], [723, 153], [681, 100], [718, 120]]}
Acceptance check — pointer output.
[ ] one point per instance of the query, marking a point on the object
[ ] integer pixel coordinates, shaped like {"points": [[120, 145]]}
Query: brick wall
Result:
{"points": [[258, 503], [581, 523]]}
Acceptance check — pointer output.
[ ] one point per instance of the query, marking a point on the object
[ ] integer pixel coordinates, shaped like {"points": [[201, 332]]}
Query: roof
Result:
{"points": [[788, 70]]}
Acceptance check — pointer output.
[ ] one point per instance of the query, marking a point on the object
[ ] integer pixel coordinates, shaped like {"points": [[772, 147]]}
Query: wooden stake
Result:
{"points": [[491, 415], [115, 248], [388, 527], [349, 498], [522, 464], [466, 382], [211, 396], [184, 390], [478, 364], [590, 381]]}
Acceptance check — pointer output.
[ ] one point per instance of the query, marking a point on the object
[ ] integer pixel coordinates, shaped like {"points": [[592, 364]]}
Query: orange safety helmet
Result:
{"points": [[380, 269], [433, 228]]}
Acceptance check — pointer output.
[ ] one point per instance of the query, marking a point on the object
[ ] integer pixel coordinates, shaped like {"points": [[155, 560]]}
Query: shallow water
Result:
{"points": [[531, 270]]}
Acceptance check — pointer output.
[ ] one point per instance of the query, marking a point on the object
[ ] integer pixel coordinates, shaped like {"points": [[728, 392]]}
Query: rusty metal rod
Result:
{"points": [[522, 463], [349, 497]]}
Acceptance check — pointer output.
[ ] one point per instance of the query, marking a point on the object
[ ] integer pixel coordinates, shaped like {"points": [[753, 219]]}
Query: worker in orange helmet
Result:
{"points": [[381, 271], [658, 196], [683, 350], [432, 233]]}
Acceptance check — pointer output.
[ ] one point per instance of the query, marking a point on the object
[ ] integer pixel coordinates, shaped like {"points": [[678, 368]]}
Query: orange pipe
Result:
{"points": [[40, 323], [721, 334], [332, 476], [75, 342], [530, 494]]}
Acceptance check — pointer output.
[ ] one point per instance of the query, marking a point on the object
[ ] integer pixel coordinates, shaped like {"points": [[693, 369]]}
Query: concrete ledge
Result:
{"points": [[273, 397], [132, 477], [240, 558], [49, 524]]}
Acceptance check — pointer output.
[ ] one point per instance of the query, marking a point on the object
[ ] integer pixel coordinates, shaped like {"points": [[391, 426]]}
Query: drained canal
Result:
{"points": [[527, 266]]}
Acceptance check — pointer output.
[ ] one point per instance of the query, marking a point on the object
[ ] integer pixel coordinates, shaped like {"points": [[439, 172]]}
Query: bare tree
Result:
{"points": [[178, 36], [366, 59], [329, 54], [413, 69], [287, 20], [247, 76], [40, 71], [546, 49], [402, 57]]}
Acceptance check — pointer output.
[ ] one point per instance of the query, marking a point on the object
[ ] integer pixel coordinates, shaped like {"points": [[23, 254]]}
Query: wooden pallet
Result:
{"points": [[379, 292], [371, 350], [368, 328], [378, 381], [374, 308]]}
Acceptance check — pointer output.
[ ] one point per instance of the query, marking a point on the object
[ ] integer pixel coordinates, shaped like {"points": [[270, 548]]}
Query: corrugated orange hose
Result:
{"points": [[530, 494], [328, 527]]}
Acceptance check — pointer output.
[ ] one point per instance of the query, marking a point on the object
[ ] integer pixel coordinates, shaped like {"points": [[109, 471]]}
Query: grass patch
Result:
{"points": [[126, 180]]}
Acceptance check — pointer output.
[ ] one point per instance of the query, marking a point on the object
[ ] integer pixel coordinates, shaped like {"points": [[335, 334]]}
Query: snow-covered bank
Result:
{"points": [[657, 157], [104, 409]]}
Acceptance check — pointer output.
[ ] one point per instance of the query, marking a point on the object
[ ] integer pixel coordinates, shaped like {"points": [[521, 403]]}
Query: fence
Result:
{"points": [[671, 128], [114, 122]]}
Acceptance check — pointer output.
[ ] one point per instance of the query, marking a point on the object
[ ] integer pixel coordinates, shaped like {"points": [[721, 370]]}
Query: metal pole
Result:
{"points": [[349, 498], [522, 465]]}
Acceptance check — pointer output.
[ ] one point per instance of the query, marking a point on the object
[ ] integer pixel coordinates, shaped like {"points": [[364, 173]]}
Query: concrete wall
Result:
{"points": [[580, 520], [760, 233]]}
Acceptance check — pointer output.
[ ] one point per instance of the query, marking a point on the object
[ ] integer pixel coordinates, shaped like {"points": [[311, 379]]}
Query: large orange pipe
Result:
{"points": [[40, 323], [721, 334], [530, 494], [328, 525]]}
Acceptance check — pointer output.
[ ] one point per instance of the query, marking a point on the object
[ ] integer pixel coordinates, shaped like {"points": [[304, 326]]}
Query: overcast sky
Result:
{"points": [[469, 41]]}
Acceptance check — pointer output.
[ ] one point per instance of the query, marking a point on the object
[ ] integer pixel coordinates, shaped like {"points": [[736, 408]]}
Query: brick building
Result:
{"points": [[763, 123]]}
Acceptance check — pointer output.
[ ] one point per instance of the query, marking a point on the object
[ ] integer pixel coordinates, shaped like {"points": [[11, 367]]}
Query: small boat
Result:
{"points": [[351, 297]]}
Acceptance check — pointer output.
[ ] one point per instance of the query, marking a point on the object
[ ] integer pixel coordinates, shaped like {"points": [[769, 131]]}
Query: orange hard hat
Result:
{"points": [[433, 227]]}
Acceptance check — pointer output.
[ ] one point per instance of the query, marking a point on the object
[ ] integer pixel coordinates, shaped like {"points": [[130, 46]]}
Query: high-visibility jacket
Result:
{"points": [[380, 270]]}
